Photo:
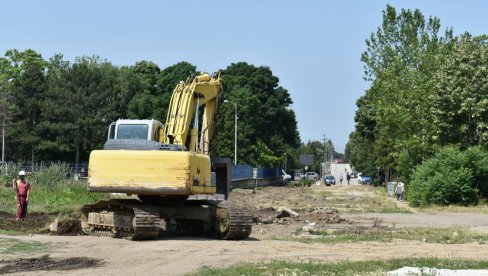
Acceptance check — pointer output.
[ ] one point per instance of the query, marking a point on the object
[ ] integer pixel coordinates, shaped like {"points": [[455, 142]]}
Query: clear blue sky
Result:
{"points": [[314, 47]]}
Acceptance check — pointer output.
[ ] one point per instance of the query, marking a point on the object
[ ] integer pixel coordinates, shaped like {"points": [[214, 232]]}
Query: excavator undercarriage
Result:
{"points": [[133, 219]]}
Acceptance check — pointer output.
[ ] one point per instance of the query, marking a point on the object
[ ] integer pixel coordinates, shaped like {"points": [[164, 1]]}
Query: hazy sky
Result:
{"points": [[314, 47]]}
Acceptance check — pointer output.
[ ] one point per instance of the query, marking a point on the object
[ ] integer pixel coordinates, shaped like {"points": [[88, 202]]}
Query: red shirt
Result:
{"points": [[22, 187]]}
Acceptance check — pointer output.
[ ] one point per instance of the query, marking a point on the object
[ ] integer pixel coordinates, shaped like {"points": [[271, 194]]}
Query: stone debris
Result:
{"points": [[407, 271], [53, 227], [286, 212], [243, 191], [267, 220]]}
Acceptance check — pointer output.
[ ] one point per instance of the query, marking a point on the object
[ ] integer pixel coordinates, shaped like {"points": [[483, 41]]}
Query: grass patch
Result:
{"points": [[62, 197], [481, 208], [451, 235], [376, 267], [364, 199], [13, 246]]}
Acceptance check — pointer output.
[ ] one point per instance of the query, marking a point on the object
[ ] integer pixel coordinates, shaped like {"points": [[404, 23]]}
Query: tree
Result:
{"points": [[80, 104], [29, 84], [460, 104], [400, 61], [267, 126]]}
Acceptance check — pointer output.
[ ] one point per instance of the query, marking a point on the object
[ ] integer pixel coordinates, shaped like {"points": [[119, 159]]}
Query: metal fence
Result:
{"points": [[238, 171], [246, 172]]}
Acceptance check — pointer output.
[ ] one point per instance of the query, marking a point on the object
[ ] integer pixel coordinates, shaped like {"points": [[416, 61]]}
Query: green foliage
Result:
{"points": [[267, 127], [452, 176], [460, 104], [304, 182], [8, 172], [51, 175], [59, 111], [427, 91]]}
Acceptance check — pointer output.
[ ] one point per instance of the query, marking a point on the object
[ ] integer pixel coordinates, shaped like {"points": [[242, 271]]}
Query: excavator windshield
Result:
{"points": [[137, 132]]}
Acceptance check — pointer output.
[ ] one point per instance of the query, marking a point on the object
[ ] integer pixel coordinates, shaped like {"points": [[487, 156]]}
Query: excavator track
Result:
{"points": [[119, 219], [233, 222], [146, 223]]}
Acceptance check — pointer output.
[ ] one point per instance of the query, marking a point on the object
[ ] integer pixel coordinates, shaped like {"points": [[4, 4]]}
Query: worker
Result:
{"points": [[400, 189], [22, 190]]}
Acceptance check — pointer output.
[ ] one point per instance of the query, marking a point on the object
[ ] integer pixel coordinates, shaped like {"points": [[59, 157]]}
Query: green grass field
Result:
{"points": [[62, 197]]}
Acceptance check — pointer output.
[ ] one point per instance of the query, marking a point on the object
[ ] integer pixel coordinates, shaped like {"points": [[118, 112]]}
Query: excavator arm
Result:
{"points": [[189, 99]]}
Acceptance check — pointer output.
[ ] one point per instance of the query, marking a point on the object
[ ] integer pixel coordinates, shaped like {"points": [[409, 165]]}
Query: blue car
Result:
{"points": [[329, 180], [364, 179]]}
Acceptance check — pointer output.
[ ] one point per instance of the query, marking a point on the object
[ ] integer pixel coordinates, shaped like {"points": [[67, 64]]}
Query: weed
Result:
{"points": [[451, 235]]}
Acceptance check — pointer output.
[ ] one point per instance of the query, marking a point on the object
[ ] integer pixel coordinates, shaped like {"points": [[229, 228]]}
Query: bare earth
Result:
{"points": [[182, 255]]}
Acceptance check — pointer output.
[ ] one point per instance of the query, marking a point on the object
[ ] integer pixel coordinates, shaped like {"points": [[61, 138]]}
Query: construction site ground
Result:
{"points": [[284, 218]]}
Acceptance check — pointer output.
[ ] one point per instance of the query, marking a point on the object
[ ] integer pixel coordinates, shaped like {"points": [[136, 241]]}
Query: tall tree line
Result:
{"points": [[428, 90], [58, 110]]}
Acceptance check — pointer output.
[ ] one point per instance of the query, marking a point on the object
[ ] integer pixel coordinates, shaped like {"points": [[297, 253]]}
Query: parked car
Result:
{"points": [[329, 180], [312, 175], [364, 179], [354, 175]]}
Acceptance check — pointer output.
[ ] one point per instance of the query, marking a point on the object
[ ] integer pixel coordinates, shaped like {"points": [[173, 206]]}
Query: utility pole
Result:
{"points": [[324, 169]]}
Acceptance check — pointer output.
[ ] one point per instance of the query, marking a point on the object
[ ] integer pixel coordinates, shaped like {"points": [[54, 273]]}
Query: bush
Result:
{"points": [[304, 182], [54, 174], [8, 172], [452, 176]]}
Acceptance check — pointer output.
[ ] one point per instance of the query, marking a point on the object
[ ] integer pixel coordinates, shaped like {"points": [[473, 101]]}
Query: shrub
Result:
{"points": [[452, 176], [8, 172], [304, 182], [54, 174]]}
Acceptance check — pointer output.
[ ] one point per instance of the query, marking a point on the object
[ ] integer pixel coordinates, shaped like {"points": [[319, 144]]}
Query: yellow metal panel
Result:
{"points": [[149, 172], [140, 172]]}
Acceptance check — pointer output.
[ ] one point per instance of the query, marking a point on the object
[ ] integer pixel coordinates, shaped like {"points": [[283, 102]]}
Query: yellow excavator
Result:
{"points": [[168, 175]]}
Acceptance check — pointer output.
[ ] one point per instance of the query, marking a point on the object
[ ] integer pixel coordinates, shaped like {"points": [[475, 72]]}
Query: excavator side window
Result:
{"points": [[111, 131]]}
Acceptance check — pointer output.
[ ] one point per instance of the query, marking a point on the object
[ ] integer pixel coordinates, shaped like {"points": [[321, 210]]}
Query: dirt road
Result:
{"points": [[176, 256], [181, 255]]}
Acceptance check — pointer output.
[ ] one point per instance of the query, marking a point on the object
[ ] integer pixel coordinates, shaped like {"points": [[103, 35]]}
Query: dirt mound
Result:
{"points": [[46, 263], [33, 222], [321, 215], [38, 223]]}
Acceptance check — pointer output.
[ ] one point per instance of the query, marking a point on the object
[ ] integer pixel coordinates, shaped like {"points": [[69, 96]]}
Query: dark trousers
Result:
{"points": [[400, 196], [22, 209]]}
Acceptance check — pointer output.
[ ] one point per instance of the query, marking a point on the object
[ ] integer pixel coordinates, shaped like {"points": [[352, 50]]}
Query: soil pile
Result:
{"points": [[46, 263]]}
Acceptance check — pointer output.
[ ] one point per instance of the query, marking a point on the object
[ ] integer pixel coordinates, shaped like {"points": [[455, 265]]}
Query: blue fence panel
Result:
{"points": [[268, 172], [241, 171]]}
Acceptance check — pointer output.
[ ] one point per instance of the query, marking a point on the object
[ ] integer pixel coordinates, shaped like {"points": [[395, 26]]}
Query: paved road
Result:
{"points": [[338, 170]]}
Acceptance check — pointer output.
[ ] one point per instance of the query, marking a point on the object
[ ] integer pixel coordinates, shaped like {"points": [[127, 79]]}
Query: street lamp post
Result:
{"points": [[235, 131]]}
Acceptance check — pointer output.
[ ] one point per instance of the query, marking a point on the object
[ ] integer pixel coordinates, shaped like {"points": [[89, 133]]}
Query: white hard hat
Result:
{"points": [[22, 173]]}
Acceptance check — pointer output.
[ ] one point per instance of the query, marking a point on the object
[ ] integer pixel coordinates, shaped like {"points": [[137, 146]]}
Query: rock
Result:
{"points": [[312, 224], [53, 227], [286, 212], [243, 191], [306, 229], [265, 220], [330, 231]]}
